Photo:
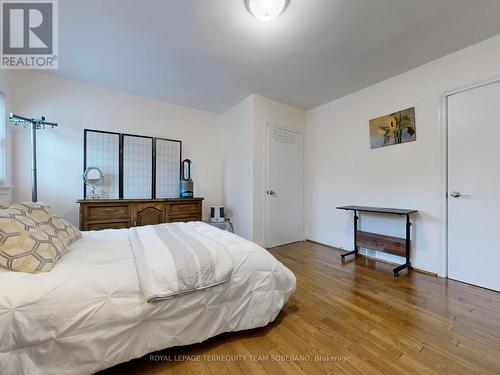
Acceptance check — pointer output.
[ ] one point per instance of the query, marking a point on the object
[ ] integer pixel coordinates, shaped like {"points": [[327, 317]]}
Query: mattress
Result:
{"points": [[89, 313]]}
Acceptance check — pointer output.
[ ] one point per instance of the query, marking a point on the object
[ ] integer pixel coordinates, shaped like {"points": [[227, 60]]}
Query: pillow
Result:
{"points": [[24, 246], [48, 221]]}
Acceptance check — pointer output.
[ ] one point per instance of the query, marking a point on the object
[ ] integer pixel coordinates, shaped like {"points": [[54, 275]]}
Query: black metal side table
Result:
{"points": [[387, 244]]}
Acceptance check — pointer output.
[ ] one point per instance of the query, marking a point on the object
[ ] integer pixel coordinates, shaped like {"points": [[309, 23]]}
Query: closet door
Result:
{"points": [[474, 186], [283, 186]]}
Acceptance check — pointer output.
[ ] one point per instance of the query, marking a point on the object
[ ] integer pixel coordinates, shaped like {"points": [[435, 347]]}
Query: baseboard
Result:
{"points": [[286, 244], [376, 259]]}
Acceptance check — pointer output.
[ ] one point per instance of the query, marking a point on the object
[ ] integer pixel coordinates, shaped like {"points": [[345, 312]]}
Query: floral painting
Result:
{"points": [[398, 127]]}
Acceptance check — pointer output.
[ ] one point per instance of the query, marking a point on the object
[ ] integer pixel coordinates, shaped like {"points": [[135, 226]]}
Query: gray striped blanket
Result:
{"points": [[174, 259]]}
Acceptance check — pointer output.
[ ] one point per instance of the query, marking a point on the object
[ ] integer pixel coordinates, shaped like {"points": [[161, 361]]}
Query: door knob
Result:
{"points": [[272, 192], [457, 194]]}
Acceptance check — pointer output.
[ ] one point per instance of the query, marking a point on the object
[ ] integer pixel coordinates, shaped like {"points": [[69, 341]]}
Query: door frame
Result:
{"points": [[443, 270], [265, 221]]}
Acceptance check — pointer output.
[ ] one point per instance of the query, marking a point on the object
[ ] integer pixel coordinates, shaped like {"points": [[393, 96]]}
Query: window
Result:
{"points": [[3, 141], [134, 166]]}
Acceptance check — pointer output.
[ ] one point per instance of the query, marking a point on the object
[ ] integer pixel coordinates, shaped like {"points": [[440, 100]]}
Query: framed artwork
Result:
{"points": [[392, 129]]}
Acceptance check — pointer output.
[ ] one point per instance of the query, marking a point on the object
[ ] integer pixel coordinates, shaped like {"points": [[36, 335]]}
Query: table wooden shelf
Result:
{"points": [[387, 244]]}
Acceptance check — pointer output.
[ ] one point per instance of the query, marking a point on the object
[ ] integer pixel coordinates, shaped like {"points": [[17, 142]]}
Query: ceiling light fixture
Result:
{"points": [[266, 10]]}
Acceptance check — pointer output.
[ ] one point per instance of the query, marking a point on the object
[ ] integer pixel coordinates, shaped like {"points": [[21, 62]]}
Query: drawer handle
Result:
{"points": [[109, 210]]}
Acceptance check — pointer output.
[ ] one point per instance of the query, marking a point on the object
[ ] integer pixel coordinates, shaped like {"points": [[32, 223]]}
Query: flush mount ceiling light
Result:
{"points": [[266, 10]]}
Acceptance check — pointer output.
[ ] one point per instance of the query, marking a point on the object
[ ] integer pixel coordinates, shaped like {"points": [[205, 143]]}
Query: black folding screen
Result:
{"points": [[134, 166]]}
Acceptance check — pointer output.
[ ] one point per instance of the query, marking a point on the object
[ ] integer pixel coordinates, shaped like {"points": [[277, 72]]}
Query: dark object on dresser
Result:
{"points": [[392, 245], [125, 213], [187, 185]]}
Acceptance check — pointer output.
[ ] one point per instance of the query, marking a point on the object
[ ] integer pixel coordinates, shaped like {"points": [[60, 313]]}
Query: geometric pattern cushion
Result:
{"points": [[47, 220], [33, 238], [24, 246]]}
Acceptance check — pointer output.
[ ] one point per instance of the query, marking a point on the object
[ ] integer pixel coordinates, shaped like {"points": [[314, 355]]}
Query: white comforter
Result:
{"points": [[178, 258], [88, 313]]}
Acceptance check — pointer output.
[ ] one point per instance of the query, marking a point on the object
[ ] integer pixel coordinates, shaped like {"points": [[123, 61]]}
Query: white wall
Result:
{"points": [[237, 130], [244, 159], [342, 169], [267, 111], [76, 106]]}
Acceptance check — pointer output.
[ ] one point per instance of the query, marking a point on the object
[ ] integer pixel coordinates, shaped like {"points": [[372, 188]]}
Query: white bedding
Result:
{"points": [[88, 313], [177, 258]]}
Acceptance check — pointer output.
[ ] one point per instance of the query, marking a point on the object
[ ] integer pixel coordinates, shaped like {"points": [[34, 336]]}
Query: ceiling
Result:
{"points": [[210, 54]]}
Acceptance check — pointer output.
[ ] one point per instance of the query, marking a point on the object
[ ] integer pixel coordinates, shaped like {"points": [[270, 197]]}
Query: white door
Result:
{"points": [[474, 186], [283, 186]]}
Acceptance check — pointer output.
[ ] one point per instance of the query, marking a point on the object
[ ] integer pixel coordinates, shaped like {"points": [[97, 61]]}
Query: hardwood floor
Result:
{"points": [[354, 318]]}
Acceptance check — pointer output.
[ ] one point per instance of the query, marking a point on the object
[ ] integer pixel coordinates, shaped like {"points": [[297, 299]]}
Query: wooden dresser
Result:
{"points": [[125, 213]]}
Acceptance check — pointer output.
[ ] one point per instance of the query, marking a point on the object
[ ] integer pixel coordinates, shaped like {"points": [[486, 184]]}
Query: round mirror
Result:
{"points": [[93, 177]]}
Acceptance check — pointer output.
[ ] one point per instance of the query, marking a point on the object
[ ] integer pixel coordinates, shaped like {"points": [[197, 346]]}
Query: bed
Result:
{"points": [[89, 313]]}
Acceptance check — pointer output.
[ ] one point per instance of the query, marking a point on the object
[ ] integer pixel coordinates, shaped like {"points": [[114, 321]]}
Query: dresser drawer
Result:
{"points": [[185, 219], [101, 226], [184, 209], [107, 212]]}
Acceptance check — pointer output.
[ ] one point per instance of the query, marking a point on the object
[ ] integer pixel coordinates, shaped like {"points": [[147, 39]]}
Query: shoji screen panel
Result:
{"points": [[137, 167], [134, 166], [168, 168], [102, 150]]}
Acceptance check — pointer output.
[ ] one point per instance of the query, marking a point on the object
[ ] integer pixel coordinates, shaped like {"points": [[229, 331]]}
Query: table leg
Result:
{"points": [[408, 261], [356, 247]]}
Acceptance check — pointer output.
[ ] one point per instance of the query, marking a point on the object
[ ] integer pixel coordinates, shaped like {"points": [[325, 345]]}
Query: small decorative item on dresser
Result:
{"points": [[186, 185], [217, 214], [93, 177]]}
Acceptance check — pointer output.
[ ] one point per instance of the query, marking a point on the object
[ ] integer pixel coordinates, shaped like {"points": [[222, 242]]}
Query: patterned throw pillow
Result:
{"points": [[24, 246], [47, 219]]}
